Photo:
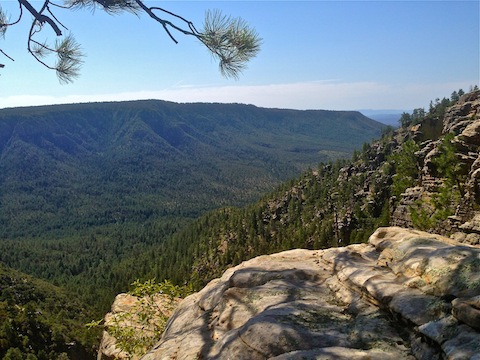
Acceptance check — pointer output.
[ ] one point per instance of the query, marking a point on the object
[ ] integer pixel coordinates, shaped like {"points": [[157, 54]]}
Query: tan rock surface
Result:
{"points": [[387, 299]]}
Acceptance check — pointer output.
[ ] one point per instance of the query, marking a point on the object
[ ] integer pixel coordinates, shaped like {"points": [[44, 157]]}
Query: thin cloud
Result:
{"points": [[322, 94]]}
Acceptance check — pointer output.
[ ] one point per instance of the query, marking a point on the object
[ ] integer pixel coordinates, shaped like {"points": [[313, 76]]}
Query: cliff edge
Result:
{"points": [[406, 294]]}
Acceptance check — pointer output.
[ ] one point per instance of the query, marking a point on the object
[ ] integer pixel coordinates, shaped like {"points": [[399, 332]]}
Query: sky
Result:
{"points": [[333, 55]]}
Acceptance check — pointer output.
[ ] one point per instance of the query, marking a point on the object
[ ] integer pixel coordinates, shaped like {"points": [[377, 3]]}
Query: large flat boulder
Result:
{"points": [[271, 306]]}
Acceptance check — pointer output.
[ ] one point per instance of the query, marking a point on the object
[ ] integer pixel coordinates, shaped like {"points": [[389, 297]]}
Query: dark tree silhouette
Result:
{"points": [[230, 40]]}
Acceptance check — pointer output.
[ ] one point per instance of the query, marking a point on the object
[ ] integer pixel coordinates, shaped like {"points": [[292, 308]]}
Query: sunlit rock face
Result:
{"points": [[462, 122], [404, 295]]}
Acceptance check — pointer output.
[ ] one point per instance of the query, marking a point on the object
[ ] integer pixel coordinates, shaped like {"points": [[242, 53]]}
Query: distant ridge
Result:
{"points": [[88, 189], [64, 161]]}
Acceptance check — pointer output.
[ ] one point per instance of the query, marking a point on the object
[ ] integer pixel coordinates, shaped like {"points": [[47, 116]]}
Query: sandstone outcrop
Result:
{"points": [[460, 115], [404, 295]]}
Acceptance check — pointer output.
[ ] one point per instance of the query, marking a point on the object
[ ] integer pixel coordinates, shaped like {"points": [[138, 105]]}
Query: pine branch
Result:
{"points": [[230, 40], [40, 17]]}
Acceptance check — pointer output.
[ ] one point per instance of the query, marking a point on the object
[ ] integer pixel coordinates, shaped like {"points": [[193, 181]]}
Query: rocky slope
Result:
{"points": [[406, 294], [462, 122]]}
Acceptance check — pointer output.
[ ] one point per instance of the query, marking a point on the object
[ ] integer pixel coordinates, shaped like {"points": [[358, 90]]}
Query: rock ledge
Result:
{"points": [[404, 295]]}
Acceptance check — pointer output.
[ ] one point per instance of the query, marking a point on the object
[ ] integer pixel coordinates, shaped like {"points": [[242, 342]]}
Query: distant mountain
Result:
{"points": [[88, 189], [76, 166], [387, 117]]}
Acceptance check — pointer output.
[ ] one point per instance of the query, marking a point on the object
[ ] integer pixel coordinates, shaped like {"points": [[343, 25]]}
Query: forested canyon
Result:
{"points": [[154, 190]]}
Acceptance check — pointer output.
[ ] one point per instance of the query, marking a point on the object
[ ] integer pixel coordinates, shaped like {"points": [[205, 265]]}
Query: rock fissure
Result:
{"points": [[252, 348]]}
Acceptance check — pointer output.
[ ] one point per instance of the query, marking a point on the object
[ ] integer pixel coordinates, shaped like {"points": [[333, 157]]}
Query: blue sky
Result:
{"points": [[336, 55]]}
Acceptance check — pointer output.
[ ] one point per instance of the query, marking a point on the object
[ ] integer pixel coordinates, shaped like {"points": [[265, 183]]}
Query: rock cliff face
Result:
{"points": [[406, 294], [462, 121]]}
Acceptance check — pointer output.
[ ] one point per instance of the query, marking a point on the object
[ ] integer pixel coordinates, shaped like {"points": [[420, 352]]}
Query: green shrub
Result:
{"points": [[138, 331], [407, 170]]}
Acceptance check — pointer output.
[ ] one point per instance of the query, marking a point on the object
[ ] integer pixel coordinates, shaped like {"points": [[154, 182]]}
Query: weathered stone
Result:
{"points": [[461, 114], [330, 304], [434, 263], [277, 306], [383, 287], [123, 304], [440, 330], [109, 349], [401, 215], [423, 350], [463, 345], [467, 310], [472, 239], [473, 225], [388, 236], [124, 315]]}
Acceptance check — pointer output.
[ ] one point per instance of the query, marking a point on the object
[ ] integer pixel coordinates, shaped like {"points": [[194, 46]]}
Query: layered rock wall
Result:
{"points": [[462, 120]]}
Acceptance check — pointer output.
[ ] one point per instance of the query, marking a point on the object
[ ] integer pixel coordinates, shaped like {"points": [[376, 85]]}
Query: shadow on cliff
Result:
{"points": [[257, 313]]}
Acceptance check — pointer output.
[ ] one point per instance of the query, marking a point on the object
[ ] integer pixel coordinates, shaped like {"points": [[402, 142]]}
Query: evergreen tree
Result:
{"points": [[230, 40]]}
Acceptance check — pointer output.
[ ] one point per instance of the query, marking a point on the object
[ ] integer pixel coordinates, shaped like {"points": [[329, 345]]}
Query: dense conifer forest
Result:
{"points": [[41, 321]]}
